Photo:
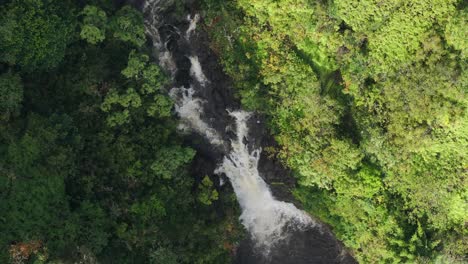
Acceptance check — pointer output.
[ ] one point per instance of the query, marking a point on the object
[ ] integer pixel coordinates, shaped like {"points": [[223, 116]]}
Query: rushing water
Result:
{"points": [[190, 110], [196, 71], [193, 24], [268, 220], [262, 215]]}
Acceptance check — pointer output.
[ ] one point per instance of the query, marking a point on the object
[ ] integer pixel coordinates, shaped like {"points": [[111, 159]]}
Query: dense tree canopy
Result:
{"points": [[367, 100], [35, 33], [91, 166], [11, 93]]}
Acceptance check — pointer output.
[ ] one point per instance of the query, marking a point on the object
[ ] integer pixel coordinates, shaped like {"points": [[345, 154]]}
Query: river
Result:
{"points": [[232, 140]]}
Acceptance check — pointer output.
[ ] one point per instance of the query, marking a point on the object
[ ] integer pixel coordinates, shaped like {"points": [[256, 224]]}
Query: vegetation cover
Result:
{"points": [[367, 101], [91, 167]]}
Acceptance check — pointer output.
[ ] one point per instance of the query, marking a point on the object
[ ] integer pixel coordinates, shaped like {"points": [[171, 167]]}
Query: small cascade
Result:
{"points": [[192, 26], [190, 110], [196, 71], [152, 10]]}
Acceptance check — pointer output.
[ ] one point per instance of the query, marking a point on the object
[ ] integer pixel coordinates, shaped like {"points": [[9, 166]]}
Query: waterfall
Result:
{"points": [[264, 217], [267, 219]]}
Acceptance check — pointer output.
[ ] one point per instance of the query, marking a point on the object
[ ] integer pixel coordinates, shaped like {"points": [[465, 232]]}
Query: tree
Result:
{"points": [[34, 202], [163, 256], [455, 33], [366, 100], [93, 227], [94, 25], [127, 25], [11, 93], [207, 193], [92, 168], [148, 95], [35, 33]]}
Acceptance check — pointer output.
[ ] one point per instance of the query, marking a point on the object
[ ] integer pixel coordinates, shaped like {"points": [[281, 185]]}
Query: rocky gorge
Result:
{"points": [[205, 101]]}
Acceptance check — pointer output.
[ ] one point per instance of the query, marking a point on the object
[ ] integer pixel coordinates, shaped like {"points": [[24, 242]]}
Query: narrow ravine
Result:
{"points": [[279, 232]]}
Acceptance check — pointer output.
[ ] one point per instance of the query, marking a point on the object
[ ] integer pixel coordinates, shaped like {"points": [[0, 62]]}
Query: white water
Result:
{"points": [[196, 70], [192, 26], [262, 215], [190, 109]]}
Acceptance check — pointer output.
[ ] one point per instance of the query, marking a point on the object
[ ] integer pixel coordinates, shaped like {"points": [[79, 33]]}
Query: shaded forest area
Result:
{"points": [[91, 166], [367, 101]]}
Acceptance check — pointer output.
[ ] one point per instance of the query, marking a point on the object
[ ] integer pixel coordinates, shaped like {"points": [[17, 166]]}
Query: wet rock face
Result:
{"points": [[310, 246], [316, 244]]}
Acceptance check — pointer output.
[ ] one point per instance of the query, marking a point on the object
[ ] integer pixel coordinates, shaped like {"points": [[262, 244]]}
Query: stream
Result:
{"points": [[231, 141]]}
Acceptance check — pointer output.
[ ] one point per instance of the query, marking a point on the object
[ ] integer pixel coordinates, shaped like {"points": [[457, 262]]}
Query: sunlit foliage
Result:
{"points": [[367, 100]]}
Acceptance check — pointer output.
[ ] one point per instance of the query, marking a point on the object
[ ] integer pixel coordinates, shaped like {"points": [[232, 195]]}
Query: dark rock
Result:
{"points": [[316, 244], [311, 246]]}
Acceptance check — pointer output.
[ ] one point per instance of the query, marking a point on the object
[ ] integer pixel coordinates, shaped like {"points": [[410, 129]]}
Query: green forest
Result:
{"points": [[366, 100], [91, 166]]}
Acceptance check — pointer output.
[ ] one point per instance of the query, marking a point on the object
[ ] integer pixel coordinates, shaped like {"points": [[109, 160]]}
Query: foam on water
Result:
{"points": [[266, 218], [190, 109], [167, 62], [192, 25], [263, 216], [196, 70]]}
